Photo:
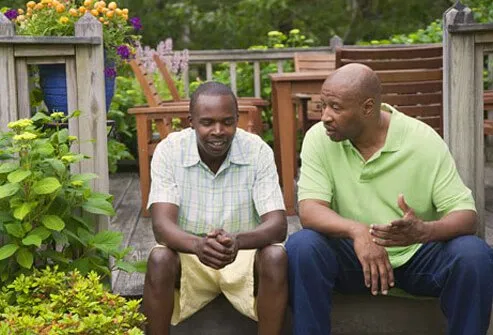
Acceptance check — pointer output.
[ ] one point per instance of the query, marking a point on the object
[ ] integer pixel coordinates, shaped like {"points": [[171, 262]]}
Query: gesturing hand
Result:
{"points": [[403, 232], [375, 263]]}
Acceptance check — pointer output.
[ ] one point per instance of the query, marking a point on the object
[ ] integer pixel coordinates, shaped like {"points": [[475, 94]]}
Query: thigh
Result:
{"points": [[350, 277], [426, 272]]}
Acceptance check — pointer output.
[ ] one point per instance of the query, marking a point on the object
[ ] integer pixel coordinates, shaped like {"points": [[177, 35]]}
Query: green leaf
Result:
{"points": [[84, 222], [24, 209], [32, 239], [45, 150], [8, 250], [140, 266], [83, 176], [84, 235], [57, 165], [9, 167], [82, 264], [46, 186], [18, 175], [41, 232], [125, 266], [53, 222], [15, 229], [75, 237], [40, 116], [63, 136], [60, 238], [56, 256], [8, 190], [98, 206], [25, 258], [107, 241], [5, 217]]}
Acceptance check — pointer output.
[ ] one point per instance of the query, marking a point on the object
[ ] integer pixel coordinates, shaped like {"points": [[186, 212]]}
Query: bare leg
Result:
{"points": [[271, 267], [163, 271]]}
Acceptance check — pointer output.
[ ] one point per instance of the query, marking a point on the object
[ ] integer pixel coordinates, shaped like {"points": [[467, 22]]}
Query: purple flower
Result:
{"points": [[110, 72], [135, 21], [11, 14], [123, 51]]}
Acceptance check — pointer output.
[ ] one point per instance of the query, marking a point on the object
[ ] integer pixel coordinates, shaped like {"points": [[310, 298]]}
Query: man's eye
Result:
{"points": [[336, 106], [229, 122], [206, 123]]}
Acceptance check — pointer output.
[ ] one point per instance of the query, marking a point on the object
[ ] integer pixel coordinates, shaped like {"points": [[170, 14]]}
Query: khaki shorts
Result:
{"points": [[200, 284]]}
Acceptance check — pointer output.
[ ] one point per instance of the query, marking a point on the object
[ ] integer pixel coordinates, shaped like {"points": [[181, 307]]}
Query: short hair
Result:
{"points": [[212, 88]]}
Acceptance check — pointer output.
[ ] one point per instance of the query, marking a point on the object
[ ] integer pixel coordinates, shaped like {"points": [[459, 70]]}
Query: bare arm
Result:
{"points": [[273, 229], [166, 229], [463, 222], [317, 215]]}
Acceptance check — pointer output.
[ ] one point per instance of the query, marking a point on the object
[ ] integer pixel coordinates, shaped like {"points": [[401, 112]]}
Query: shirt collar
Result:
{"points": [[236, 154], [393, 141]]}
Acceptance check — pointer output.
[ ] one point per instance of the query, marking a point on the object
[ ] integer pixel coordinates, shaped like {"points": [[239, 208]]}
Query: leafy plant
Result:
{"points": [[54, 302], [45, 210]]}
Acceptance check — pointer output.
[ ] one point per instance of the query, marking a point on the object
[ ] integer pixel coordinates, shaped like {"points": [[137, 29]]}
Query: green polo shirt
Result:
{"points": [[414, 161]]}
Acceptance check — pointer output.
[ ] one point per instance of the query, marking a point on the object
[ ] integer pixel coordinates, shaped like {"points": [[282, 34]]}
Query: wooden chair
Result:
{"points": [[411, 77], [160, 113], [259, 103], [308, 105]]}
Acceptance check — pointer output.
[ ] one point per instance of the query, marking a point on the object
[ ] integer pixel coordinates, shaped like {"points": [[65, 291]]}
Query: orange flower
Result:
{"points": [[125, 11], [118, 11], [87, 3], [73, 12], [101, 19], [38, 6], [95, 12], [63, 20], [31, 4], [20, 11], [82, 10], [112, 5], [110, 14], [60, 8]]}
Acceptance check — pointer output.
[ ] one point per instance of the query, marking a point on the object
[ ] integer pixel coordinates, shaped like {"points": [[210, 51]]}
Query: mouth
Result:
{"points": [[217, 145], [329, 130]]}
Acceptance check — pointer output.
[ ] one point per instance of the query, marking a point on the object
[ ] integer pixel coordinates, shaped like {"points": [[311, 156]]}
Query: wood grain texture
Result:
{"points": [[8, 96]]}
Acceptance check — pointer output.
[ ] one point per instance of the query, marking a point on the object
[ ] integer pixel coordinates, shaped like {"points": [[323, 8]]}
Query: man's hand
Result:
{"points": [[213, 253], [227, 240], [375, 262], [403, 232]]}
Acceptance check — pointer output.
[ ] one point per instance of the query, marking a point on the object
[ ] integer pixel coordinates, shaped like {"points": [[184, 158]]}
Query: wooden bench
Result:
{"points": [[160, 113]]}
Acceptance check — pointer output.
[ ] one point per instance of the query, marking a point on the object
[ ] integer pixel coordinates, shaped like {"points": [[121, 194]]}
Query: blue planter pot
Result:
{"points": [[53, 82]]}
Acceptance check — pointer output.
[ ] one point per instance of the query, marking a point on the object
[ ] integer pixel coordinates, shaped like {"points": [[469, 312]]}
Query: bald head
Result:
{"points": [[358, 80]]}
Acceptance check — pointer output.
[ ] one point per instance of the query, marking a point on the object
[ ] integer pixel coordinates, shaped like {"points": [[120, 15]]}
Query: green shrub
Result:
{"points": [[52, 302], [45, 209]]}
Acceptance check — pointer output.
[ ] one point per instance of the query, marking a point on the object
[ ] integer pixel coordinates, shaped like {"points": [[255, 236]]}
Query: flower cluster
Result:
{"points": [[58, 18], [176, 61]]}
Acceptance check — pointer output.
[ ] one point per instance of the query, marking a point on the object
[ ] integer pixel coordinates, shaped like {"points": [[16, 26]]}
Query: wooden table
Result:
{"points": [[284, 85]]}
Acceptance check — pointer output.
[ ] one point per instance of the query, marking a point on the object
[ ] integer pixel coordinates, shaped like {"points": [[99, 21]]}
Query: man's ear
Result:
{"points": [[190, 120], [368, 106]]}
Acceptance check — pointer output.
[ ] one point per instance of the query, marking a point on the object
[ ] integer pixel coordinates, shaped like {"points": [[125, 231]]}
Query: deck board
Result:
{"points": [[138, 231]]}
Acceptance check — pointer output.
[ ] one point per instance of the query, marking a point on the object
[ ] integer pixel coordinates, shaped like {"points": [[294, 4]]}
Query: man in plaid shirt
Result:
{"points": [[218, 218]]}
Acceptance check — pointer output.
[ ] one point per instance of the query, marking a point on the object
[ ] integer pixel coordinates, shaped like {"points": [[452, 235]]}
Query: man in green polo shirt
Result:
{"points": [[382, 206]]}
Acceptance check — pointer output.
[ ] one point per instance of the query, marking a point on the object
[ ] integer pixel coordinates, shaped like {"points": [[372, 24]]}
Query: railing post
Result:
{"points": [[335, 42], [8, 97], [91, 101], [462, 102]]}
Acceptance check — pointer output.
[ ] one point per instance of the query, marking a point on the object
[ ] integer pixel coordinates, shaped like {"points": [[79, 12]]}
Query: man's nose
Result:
{"points": [[326, 115]]}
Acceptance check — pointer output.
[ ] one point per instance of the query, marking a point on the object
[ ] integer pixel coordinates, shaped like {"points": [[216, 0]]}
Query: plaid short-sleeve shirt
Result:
{"points": [[245, 187]]}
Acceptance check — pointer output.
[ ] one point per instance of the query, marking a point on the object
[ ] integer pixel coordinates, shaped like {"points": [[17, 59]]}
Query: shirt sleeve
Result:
{"points": [[163, 185], [449, 192], [315, 182], [267, 195]]}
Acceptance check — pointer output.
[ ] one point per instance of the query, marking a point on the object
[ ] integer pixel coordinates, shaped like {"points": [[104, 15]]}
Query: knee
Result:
{"points": [[272, 264], [304, 244], [162, 267], [471, 252]]}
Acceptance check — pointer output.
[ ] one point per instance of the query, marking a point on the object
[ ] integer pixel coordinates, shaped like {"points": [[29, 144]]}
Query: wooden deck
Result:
{"points": [[138, 232]]}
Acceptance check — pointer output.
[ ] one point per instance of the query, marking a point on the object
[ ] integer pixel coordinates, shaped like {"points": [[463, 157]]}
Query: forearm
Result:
{"points": [[175, 238], [454, 224], [272, 230], [321, 218]]}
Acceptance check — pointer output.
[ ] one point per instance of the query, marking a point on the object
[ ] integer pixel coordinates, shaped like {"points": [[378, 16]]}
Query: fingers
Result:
{"points": [[389, 242], [400, 223], [218, 247], [215, 233], [366, 274], [384, 283], [401, 202], [374, 278]]}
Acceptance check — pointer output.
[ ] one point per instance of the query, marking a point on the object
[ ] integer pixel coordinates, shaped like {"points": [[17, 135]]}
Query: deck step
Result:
{"points": [[352, 315]]}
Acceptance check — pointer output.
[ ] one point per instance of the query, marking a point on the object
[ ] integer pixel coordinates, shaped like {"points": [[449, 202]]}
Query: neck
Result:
{"points": [[214, 163], [373, 137]]}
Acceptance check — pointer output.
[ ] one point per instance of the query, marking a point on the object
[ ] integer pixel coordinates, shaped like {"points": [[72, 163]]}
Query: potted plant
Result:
{"points": [[45, 209], [58, 18]]}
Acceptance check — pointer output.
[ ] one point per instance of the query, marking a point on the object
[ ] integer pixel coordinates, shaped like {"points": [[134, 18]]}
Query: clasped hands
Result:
{"points": [[369, 246], [217, 249]]}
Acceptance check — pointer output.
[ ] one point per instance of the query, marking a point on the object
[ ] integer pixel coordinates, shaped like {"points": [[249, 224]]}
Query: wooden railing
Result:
{"points": [[208, 58]]}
